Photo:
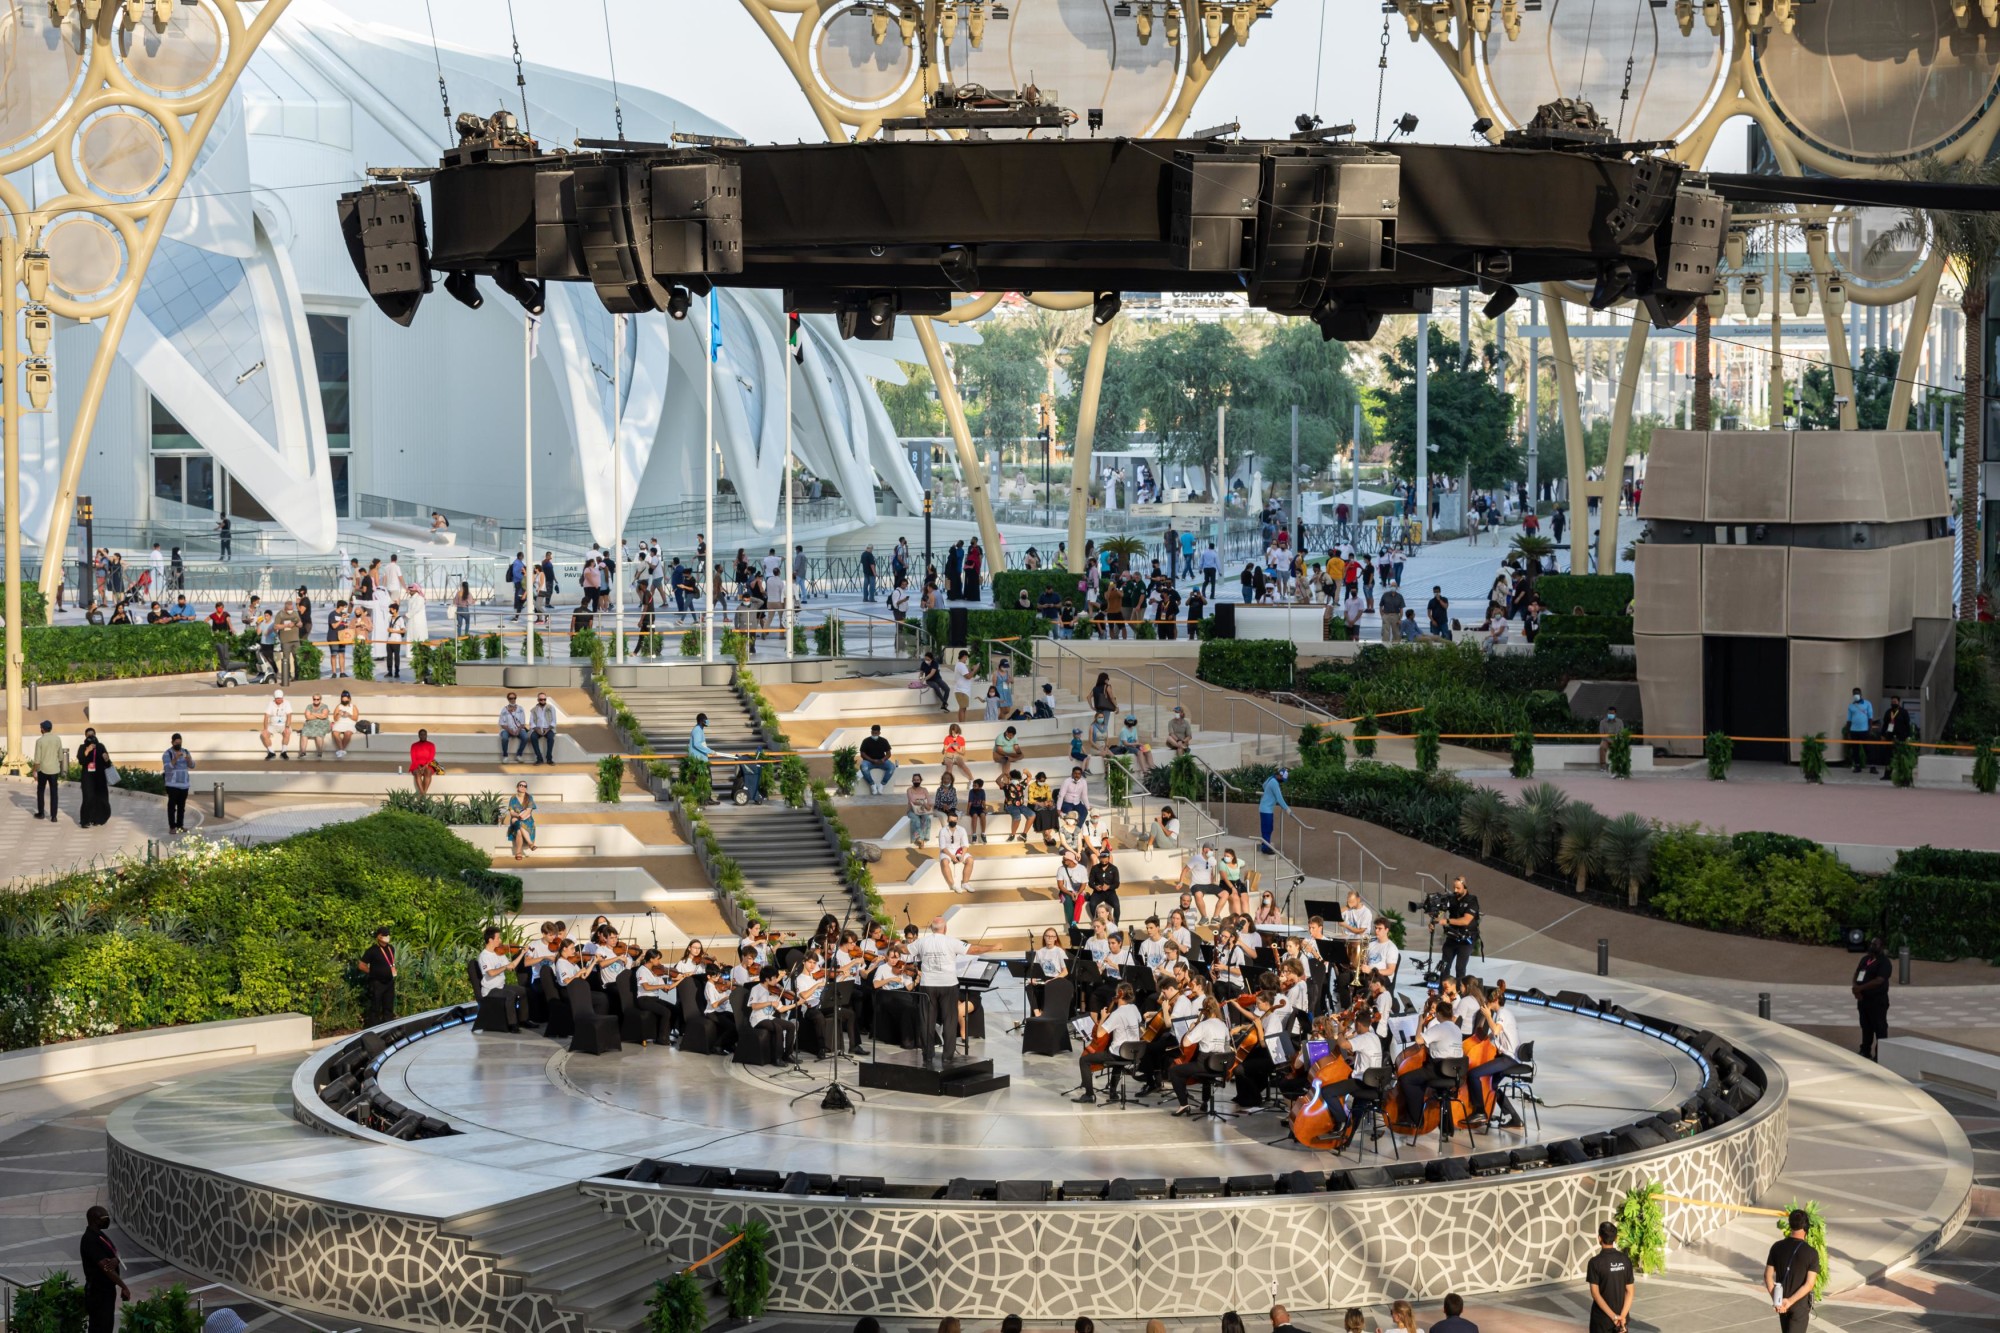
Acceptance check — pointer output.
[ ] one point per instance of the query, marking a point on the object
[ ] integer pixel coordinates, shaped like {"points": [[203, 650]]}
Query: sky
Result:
{"points": [[731, 73]]}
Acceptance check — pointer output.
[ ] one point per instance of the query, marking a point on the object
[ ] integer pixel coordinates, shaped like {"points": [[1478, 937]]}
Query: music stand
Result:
{"points": [[836, 1096], [983, 973]]}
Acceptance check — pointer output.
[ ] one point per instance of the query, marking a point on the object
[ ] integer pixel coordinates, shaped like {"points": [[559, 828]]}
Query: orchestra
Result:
{"points": [[1306, 1023]]}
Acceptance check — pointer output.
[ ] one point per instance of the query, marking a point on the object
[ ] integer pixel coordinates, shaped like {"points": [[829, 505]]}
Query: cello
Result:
{"points": [[1413, 1058], [1311, 1117]]}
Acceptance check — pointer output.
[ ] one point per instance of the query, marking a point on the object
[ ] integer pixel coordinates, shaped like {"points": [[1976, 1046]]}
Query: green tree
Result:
{"points": [[1874, 384], [1000, 380], [1181, 377], [913, 405], [1120, 406], [1296, 365], [1469, 417]]}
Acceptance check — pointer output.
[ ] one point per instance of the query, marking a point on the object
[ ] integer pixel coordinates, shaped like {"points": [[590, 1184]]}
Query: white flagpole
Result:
{"points": [[528, 473], [618, 482], [791, 592], [708, 467]]}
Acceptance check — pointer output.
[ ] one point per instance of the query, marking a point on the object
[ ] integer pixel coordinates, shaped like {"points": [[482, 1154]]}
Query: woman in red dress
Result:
{"points": [[423, 762]]}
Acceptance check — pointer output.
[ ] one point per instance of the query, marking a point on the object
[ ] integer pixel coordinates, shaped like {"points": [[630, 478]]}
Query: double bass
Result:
{"points": [[1478, 1051], [1311, 1117]]}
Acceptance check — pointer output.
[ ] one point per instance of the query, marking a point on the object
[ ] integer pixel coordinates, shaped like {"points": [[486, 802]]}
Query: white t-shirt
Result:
{"points": [[1153, 953], [1170, 829], [1382, 957], [1367, 1053], [938, 956], [952, 839], [1181, 936], [1250, 940], [687, 967], [1186, 1013], [1124, 1024], [961, 679], [1277, 1018], [566, 971], [278, 714], [1384, 1006], [763, 1004], [1463, 1011], [717, 999], [1229, 965], [1359, 921], [489, 979], [1210, 1035], [1051, 961], [653, 983], [1506, 1032], [810, 989], [1201, 869], [1444, 1040], [887, 979]]}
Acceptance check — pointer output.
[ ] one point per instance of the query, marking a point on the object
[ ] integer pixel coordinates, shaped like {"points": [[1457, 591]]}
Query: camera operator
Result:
{"points": [[1461, 930]]}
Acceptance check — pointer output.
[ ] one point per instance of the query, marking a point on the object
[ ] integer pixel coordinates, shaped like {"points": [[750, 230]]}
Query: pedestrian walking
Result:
{"points": [[48, 768], [94, 763], [176, 770]]}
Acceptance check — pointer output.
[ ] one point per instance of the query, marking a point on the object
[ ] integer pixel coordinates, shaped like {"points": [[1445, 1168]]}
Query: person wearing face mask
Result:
{"points": [[954, 854], [1611, 726], [1860, 721]]}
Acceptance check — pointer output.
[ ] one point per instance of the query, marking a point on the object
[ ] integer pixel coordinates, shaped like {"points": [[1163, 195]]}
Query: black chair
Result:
{"points": [[1048, 1032], [1367, 1112], [975, 1021], [496, 1011], [1519, 1083], [898, 1019], [636, 1024], [1117, 1064], [1211, 1072], [561, 1021], [689, 995], [1444, 1094], [594, 1033], [753, 1044]]}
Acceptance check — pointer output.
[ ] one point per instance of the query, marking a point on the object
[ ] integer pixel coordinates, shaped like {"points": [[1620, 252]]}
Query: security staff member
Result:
{"points": [[1104, 881], [103, 1272], [378, 970], [1871, 996], [1461, 930]]}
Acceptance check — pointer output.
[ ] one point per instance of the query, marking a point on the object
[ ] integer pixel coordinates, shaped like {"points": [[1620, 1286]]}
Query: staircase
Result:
{"points": [[790, 862], [667, 716], [565, 1247]]}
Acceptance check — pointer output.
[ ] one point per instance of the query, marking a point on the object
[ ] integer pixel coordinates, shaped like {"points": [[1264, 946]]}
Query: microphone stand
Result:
{"points": [[837, 1095]]}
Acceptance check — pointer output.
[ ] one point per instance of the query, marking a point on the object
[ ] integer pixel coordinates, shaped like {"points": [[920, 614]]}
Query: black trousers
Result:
{"points": [[1088, 1063], [48, 781], [395, 664], [1456, 958], [1874, 1024], [669, 1015], [380, 1004], [1182, 1075], [100, 1306], [1793, 1320], [177, 804]]}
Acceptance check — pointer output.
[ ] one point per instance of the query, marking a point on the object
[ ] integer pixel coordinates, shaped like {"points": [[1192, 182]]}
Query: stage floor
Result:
{"points": [[526, 1100]]}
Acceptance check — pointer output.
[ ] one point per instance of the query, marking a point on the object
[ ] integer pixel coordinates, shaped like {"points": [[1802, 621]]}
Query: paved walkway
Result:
{"points": [[33, 848]]}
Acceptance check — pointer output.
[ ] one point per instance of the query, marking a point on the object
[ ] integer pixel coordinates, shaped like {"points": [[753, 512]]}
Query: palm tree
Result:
{"points": [[1483, 819], [1581, 851], [1123, 550], [1626, 845], [1529, 835], [1970, 243]]}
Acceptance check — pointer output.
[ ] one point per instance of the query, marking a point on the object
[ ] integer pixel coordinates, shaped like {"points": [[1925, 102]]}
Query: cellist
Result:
{"points": [[1363, 1050], [1180, 1007], [1206, 1039], [1258, 1051], [1116, 1025], [1442, 1039]]}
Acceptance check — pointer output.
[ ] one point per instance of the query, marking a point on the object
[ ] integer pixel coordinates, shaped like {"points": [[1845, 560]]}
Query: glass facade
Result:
{"points": [[329, 344]]}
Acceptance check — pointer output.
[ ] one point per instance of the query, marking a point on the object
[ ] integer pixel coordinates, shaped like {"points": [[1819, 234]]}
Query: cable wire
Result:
{"points": [[444, 94], [1381, 76], [611, 53], [1319, 69], [520, 75]]}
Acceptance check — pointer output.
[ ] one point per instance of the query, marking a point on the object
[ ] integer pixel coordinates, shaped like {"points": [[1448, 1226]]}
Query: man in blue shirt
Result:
{"points": [[517, 574], [1268, 805], [698, 747], [1860, 721]]}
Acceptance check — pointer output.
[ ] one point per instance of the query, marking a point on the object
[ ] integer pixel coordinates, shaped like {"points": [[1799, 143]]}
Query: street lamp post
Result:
{"points": [[16, 764]]}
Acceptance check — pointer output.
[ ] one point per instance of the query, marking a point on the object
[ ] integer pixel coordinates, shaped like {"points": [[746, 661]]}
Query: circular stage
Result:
{"points": [[615, 1110]]}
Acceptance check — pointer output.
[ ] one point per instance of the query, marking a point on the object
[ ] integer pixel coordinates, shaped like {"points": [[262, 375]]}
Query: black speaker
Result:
{"points": [[1085, 1189], [1366, 1177], [405, 1126], [1598, 1145], [797, 1183], [1444, 1170], [1523, 1158], [1575, 999], [962, 1188], [373, 1043], [1302, 1182], [1568, 1152], [1715, 1111], [1668, 1123], [1126, 1188], [1022, 1191], [1198, 1187], [648, 1172], [340, 1090], [1252, 1185], [1490, 1163], [863, 1187], [1225, 620], [1404, 1172], [1636, 1138], [955, 627], [686, 1175]]}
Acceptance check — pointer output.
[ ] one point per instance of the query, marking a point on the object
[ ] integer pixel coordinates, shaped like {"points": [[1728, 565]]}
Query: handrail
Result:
{"points": [[716, 1253]]}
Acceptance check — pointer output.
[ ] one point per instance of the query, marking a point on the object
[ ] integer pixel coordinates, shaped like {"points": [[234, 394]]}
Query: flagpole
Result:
{"points": [[708, 471], [791, 593], [618, 483], [528, 473]]}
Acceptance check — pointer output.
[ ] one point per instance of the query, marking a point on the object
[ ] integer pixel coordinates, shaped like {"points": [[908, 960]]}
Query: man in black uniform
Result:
{"points": [[1104, 885], [378, 970], [1790, 1272], [103, 1287], [1461, 929], [1609, 1274], [1871, 995]]}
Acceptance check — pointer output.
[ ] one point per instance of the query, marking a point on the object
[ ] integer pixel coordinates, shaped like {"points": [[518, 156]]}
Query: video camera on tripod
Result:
{"points": [[1434, 906], [1437, 903]]}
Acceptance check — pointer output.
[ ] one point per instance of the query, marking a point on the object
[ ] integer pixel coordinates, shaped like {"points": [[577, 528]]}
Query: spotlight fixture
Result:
{"points": [[464, 288], [1122, 10], [1305, 122], [678, 302], [1481, 14], [35, 271], [1483, 126], [881, 310], [1093, 118], [59, 10], [1105, 308], [1753, 297], [1502, 301], [1143, 22], [1684, 17], [1173, 23], [249, 374], [1734, 247], [999, 13], [530, 294], [41, 384], [1406, 124], [135, 12], [1836, 296], [1718, 302], [163, 13], [40, 327], [1801, 295]]}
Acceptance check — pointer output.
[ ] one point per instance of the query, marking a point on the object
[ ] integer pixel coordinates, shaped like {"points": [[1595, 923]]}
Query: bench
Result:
{"points": [[1919, 1059], [1553, 756]]}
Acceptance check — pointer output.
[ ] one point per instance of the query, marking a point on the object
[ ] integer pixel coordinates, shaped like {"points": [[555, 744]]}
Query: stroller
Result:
{"points": [[747, 786], [229, 670]]}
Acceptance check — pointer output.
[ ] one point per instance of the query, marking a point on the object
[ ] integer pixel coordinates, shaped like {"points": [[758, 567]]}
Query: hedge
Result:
{"points": [[1606, 630], [981, 627], [1249, 664], [1941, 918], [34, 606], [1948, 863], [1597, 594], [1008, 582], [67, 654], [1461, 690], [214, 931], [1417, 805]]}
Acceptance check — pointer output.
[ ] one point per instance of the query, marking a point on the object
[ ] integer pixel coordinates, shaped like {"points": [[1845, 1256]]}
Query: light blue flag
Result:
{"points": [[714, 325]]}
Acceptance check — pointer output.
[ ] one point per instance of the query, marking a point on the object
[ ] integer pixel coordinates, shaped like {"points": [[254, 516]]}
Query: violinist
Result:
{"points": [[1298, 1004], [494, 968], [1505, 1034], [1255, 1041], [1180, 1009], [816, 995], [1207, 1041], [721, 1019], [1442, 1039], [747, 966], [694, 960], [1048, 963], [768, 1007], [572, 965], [1465, 1009], [893, 972], [1380, 1005], [876, 946], [542, 950], [1118, 1024], [653, 985], [610, 954], [1248, 935], [757, 944]]}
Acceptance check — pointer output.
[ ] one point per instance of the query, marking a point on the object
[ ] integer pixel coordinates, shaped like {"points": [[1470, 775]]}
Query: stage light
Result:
{"points": [[35, 269], [1684, 16], [1143, 22], [163, 12], [1481, 13], [1753, 13], [1801, 295], [975, 26], [881, 310], [1483, 126], [1173, 23], [41, 384], [1122, 10], [135, 12], [530, 294], [1093, 119], [1836, 297], [1105, 308], [40, 327], [678, 302], [1211, 24], [1239, 22], [464, 289], [60, 10], [947, 23], [1000, 14], [1718, 302], [878, 25], [1734, 246], [1501, 302], [1714, 16], [1753, 297], [1406, 124]]}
